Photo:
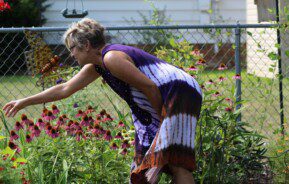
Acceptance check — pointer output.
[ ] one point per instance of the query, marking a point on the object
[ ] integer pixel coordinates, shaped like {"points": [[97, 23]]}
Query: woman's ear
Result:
{"points": [[87, 46]]}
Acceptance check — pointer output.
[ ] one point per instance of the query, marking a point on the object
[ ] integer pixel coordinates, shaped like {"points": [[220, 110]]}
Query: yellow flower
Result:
{"points": [[280, 151]]}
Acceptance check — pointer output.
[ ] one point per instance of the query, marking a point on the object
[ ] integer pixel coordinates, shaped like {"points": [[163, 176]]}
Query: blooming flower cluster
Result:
{"points": [[85, 125], [4, 6]]}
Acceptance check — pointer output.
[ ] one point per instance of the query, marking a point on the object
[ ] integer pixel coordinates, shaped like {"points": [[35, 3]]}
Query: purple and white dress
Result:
{"points": [[171, 139]]}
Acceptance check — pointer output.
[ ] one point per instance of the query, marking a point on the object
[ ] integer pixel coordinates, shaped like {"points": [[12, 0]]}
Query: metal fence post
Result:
{"points": [[280, 73], [238, 67]]}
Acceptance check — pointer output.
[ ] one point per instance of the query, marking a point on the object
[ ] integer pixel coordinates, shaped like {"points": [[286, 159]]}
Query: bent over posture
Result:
{"points": [[165, 101]]}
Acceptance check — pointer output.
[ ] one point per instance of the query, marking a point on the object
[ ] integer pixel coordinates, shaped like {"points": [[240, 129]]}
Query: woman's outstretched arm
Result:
{"points": [[84, 77]]}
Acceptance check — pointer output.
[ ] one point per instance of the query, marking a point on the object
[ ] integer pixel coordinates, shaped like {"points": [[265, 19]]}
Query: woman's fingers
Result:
{"points": [[6, 106], [13, 112], [8, 109]]}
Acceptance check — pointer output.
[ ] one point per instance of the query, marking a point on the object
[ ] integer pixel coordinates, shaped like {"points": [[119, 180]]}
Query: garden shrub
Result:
{"points": [[22, 13]]}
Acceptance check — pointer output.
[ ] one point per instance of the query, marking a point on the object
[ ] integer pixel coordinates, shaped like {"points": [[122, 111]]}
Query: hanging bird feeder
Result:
{"points": [[74, 13]]}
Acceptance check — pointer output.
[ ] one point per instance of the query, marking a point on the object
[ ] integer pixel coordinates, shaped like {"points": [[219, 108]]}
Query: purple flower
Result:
{"points": [[60, 64], [222, 67], [108, 136], [36, 131], [58, 81], [85, 121], [55, 110], [79, 135], [119, 136], [40, 123], [237, 76], [49, 116], [124, 151], [120, 124], [75, 105], [125, 144]]}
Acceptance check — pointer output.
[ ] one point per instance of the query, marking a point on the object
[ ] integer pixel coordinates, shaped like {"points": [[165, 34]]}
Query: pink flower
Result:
{"points": [[60, 121], [120, 124], [47, 129], [237, 76], [49, 116], [125, 144], [55, 110], [229, 100], [119, 136], [132, 142], [221, 78], [90, 119], [96, 130], [18, 126], [40, 123], [79, 135], [30, 126], [124, 151], [28, 138], [79, 114], [210, 82], [216, 94], [222, 67], [114, 146], [196, 52], [44, 112], [53, 133], [13, 135], [107, 136], [201, 61], [25, 120], [108, 118], [85, 121], [89, 109], [193, 68], [13, 146], [229, 109], [36, 131]]}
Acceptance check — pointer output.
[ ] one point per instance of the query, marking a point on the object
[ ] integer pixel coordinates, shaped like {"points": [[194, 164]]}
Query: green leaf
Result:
{"points": [[8, 150], [273, 56], [172, 42], [18, 160], [287, 53], [249, 33]]}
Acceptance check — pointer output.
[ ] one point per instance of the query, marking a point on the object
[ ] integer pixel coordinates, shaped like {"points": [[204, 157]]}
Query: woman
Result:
{"points": [[164, 100]]}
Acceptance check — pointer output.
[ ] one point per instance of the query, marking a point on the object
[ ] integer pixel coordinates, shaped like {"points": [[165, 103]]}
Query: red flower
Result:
{"points": [[2, 168], [229, 109], [4, 6], [13, 159], [13, 135]]}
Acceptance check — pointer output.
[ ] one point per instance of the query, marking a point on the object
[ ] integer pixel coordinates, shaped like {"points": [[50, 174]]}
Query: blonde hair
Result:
{"points": [[85, 30]]}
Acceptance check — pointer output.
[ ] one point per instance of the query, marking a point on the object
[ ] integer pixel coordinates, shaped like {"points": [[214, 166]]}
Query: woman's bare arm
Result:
{"points": [[86, 75], [121, 67]]}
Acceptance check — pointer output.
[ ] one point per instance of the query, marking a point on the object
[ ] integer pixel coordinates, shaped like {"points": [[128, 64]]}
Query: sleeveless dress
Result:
{"points": [[159, 142]]}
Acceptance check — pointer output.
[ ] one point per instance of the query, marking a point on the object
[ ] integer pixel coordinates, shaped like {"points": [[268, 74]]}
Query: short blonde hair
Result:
{"points": [[85, 30]]}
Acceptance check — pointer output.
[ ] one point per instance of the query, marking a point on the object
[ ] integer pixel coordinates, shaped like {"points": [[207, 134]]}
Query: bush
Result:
{"points": [[23, 13]]}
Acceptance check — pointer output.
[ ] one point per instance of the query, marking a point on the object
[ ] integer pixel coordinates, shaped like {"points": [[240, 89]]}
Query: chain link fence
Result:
{"points": [[250, 51]]}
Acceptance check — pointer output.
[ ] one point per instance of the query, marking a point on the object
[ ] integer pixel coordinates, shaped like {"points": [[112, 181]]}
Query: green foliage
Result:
{"points": [[154, 38], [227, 151], [23, 13]]}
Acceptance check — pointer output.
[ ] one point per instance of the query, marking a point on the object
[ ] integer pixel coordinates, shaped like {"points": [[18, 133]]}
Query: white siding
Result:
{"points": [[116, 12], [258, 63]]}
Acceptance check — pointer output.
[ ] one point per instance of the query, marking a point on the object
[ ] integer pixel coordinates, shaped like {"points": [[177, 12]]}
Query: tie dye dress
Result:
{"points": [[171, 139]]}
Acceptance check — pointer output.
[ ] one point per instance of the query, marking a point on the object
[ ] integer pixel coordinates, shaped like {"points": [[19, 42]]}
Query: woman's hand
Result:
{"points": [[13, 107]]}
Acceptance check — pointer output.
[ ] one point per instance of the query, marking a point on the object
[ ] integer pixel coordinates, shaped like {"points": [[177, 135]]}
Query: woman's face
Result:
{"points": [[79, 54]]}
